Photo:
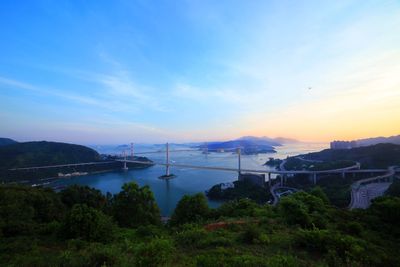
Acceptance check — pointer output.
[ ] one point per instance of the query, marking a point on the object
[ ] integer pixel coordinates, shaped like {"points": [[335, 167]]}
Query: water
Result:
{"points": [[187, 181]]}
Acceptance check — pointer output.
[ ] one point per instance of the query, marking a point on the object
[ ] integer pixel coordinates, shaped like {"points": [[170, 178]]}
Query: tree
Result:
{"points": [[77, 194], [190, 209], [135, 206], [88, 223], [318, 192]]}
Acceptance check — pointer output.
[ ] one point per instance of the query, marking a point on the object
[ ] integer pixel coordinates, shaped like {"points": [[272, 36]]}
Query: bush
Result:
{"points": [[135, 206], [77, 194], [149, 231], [88, 223], [294, 211], [323, 241], [191, 236], [238, 208], [280, 260], [190, 209], [251, 234], [158, 252]]}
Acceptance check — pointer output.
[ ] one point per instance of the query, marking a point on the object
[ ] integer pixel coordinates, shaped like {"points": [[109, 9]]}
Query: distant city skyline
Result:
{"points": [[109, 72]]}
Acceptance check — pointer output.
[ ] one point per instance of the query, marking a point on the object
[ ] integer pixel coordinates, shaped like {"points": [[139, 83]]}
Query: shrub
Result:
{"points": [[280, 260], [87, 223], [191, 236], [149, 231], [157, 252], [238, 208], [251, 234], [77, 194], [135, 206], [190, 209], [294, 211]]}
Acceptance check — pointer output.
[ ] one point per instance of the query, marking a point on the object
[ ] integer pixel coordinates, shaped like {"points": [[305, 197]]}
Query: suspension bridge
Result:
{"points": [[283, 173]]}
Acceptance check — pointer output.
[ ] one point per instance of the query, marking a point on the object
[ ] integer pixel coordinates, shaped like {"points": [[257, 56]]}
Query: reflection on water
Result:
{"points": [[188, 181]]}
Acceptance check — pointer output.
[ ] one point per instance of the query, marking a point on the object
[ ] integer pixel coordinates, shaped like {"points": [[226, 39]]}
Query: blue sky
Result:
{"points": [[155, 71]]}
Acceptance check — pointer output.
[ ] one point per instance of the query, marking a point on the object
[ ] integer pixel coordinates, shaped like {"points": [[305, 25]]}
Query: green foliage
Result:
{"points": [[135, 206], [294, 211], [22, 209], [318, 192], [150, 231], [385, 212], [345, 247], [191, 235], [190, 209], [158, 252], [241, 189], [375, 156], [44, 153], [34, 224], [87, 223], [238, 208], [303, 209], [394, 189], [77, 194]]}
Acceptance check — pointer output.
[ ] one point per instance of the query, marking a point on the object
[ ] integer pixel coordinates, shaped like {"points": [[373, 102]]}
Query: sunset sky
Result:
{"points": [[153, 71]]}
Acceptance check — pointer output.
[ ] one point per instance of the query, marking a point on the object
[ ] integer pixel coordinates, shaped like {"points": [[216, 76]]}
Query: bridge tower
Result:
{"points": [[167, 161], [125, 168], [239, 161], [131, 151]]}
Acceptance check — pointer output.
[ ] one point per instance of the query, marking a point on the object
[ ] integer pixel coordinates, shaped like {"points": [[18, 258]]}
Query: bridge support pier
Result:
{"points": [[314, 178], [269, 180], [125, 168], [343, 175]]}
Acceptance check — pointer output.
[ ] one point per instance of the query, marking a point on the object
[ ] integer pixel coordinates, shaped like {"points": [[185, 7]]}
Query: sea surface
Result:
{"points": [[187, 181]]}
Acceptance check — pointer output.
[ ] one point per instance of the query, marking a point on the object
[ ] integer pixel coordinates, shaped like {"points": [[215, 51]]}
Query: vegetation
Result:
{"points": [[241, 189], [273, 162], [295, 163], [376, 156], [6, 141], [81, 227], [31, 154]]}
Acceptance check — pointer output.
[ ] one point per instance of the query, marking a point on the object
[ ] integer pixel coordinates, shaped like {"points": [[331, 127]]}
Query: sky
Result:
{"points": [[108, 72]]}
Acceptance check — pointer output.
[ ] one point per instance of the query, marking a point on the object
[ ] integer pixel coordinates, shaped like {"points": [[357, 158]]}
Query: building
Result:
{"points": [[343, 144]]}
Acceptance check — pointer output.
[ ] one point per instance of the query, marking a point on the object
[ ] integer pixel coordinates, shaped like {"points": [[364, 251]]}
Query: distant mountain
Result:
{"points": [[248, 145], [6, 141], [260, 140], [284, 140], [44, 153], [377, 140]]}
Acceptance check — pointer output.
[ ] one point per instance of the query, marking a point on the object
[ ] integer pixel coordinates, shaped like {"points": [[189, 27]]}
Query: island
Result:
{"points": [[19, 161]]}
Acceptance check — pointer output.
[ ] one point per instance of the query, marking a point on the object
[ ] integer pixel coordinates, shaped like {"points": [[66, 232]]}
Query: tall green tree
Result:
{"points": [[190, 209], [77, 194], [88, 223], [135, 206]]}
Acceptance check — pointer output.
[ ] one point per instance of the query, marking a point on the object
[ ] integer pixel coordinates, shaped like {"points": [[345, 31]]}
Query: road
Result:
{"points": [[364, 191]]}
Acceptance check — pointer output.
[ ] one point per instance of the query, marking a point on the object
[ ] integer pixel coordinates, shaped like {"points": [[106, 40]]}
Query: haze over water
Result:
{"points": [[188, 181]]}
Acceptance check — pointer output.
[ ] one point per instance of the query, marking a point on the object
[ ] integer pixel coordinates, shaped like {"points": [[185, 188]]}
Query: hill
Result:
{"points": [[378, 140], [44, 153], [376, 156], [248, 145], [6, 141]]}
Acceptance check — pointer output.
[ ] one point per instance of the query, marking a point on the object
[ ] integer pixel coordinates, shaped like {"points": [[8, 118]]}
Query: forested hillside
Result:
{"points": [[44, 153], [81, 227], [6, 141], [376, 156]]}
